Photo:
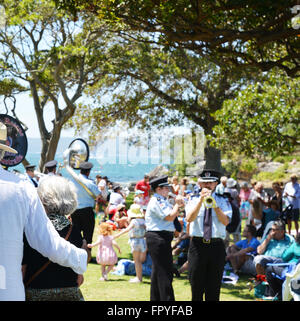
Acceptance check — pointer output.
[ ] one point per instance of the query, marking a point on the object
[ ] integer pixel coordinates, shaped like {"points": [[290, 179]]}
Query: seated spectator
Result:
{"points": [[270, 213], [118, 215], [290, 255], [234, 226], [241, 253], [116, 198], [55, 282], [272, 247], [180, 248]]}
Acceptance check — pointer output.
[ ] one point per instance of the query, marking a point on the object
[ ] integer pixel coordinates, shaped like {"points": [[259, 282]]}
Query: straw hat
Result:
{"points": [[3, 138], [135, 211]]}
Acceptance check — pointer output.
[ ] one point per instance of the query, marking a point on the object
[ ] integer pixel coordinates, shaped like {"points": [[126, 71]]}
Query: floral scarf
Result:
{"points": [[59, 221]]}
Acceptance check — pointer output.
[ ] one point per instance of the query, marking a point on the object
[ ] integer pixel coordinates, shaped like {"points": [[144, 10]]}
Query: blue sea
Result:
{"points": [[117, 168]]}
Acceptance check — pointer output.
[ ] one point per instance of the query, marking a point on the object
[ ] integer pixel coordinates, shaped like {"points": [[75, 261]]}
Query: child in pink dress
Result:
{"points": [[106, 255]]}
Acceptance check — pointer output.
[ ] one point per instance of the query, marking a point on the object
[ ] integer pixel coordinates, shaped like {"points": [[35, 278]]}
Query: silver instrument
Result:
{"points": [[77, 153]]}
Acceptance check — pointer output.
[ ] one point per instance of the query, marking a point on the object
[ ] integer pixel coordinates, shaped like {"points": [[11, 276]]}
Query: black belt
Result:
{"points": [[212, 240]]}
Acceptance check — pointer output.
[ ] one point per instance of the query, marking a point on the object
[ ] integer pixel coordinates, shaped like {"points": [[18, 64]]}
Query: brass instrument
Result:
{"points": [[77, 153], [209, 202]]}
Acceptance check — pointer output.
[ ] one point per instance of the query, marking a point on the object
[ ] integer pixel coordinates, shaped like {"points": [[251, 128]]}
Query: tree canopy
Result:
{"points": [[245, 34], [263, 119], [52, 56]]}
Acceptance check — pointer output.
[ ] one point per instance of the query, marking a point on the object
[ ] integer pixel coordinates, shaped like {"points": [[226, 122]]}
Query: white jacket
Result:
{"points": [[22, 211]]}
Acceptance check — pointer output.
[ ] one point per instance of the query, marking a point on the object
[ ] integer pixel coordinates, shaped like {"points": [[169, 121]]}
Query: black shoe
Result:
{"points": [[93, 260], [176, 272]]}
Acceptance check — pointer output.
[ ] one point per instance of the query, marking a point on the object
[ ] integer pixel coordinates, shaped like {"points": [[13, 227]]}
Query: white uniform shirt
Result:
{"points": [[157, 209], [22, 211], [218, 229], [83, 197]]}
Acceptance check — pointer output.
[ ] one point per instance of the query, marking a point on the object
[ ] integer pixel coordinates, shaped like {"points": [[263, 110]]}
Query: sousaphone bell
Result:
{"points": [[77, 153]]}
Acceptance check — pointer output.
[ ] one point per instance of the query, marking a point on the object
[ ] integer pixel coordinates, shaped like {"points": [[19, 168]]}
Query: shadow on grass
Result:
{"points": [[240, 289]]}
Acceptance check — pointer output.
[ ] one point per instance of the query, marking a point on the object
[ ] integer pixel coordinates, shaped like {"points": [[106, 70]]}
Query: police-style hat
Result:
{"points": [[116, 187], [51, 163], [86, 165], [159, 182], [209, 175], [30, 167]]}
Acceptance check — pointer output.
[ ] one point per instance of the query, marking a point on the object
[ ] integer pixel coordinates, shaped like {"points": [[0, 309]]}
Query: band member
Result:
{"points": [[50, 167], [30, 174], [208, 215], [159, 218], [84, 217]]}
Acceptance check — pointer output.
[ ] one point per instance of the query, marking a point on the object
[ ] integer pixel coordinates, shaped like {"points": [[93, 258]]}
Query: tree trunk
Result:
{"points": [[49, 147]]}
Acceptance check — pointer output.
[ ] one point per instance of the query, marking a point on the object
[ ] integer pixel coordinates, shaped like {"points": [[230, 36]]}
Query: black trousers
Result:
{"points": [[84, 219], [206, 266], [159, 248], [274, 282]]}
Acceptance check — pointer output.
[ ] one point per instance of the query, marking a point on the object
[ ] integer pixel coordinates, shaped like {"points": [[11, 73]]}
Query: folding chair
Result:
{"points": [[291, 285]]}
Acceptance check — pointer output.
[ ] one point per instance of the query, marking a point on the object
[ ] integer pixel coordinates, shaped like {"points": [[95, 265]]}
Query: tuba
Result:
{"points": [[77, 152], [16, 139]]}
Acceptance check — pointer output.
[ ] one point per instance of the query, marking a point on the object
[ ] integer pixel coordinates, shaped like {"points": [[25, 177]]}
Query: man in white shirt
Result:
{"points": [[50, 167], [30, 175], [22, 211], [291, 193]]}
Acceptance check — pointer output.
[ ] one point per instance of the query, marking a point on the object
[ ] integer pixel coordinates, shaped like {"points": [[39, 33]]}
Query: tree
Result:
{"points": [[154, 88], [241, 33], [264, 118], [54, 57]]}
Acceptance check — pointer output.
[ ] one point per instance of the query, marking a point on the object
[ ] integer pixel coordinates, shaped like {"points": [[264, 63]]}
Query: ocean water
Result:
{"points": [[124, 165], [129, 172]]}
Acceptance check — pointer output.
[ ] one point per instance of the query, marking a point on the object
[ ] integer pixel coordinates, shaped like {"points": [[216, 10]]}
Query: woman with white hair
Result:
{"points": [[43, 279]]}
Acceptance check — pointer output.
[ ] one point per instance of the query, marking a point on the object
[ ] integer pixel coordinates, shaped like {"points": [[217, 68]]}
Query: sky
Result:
{"points": [[25, 112]]}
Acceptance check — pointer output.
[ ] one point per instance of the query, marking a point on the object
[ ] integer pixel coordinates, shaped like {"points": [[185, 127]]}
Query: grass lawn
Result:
{"points": [[119, 289]]}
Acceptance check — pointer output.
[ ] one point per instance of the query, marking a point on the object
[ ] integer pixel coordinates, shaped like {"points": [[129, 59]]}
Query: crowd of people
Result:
{"points": [[183, 227]]}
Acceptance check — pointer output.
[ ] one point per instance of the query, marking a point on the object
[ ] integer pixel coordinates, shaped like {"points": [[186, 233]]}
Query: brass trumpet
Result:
{"points": [[209, 202]]}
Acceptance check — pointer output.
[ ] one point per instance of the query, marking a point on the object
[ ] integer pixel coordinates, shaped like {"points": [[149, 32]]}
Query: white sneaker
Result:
{"points": [[135, 280]]}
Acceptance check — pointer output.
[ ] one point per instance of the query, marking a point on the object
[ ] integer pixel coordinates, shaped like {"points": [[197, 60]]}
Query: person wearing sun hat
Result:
{"points": [[23, 212], [136, 229], [139, 197], [208, 215], [231, 188]]}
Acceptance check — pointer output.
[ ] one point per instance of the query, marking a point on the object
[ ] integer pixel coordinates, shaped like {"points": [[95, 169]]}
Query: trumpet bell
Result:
{"points": [[78, 153], [209, 202]]}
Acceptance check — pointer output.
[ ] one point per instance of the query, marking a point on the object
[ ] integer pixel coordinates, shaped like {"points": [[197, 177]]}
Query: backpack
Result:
{"points": [[235, 219]]}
